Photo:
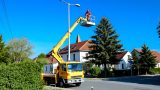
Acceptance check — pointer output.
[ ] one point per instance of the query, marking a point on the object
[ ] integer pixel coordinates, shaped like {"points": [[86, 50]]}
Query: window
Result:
{"points": [[63, 66], [87, 54], [122, 66], [73, 47], [75, 67], [51, 68], [46, 67], [67, 58], [74, 57], [129, 57]]}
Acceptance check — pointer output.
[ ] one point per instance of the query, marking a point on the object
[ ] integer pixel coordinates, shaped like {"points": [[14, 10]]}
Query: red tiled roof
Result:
{"points": [[49, 54], [157, 54], [50, 58], [120, 55], [138, 50], [80, 46]]}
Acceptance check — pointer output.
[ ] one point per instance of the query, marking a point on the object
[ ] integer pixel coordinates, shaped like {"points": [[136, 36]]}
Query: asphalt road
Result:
{"points": [[120, 83]]}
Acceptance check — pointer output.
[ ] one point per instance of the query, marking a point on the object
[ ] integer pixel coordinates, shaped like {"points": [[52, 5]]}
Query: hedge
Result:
{"points": [[21, 76], [94, 72], [155, 70]]}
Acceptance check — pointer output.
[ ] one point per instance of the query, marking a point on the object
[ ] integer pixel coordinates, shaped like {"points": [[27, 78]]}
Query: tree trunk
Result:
{"points": [[105, 72], [146, 70], [138, 70]]}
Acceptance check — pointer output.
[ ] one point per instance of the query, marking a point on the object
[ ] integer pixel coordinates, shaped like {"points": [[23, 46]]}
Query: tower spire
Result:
{"points": [[78, 39]]}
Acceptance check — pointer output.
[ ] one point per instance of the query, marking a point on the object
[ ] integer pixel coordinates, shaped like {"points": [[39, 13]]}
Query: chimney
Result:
{"points": [[78, 39]]}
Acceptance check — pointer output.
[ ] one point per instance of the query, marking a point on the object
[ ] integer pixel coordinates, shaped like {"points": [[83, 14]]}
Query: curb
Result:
{"points": [[54, 88]]}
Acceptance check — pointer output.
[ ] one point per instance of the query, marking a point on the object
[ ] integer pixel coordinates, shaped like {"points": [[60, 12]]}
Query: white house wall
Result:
{"points": [[82, 56], [158, 65], [77, 56], [64, 56], [124, 61]]}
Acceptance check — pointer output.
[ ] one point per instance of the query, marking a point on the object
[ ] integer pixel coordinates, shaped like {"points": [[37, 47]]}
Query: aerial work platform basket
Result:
{"points": [[88, 23]]}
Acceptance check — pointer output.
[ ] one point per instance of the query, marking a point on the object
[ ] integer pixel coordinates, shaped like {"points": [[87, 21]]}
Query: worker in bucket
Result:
{"points": [[88, 14]]}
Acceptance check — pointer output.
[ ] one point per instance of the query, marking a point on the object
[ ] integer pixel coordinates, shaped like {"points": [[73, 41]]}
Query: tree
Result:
{"points": [[42, 55], [19, 49], [41, 59], [158, 30], [135, 60], [4, 55], [147, 60], [105, 44]]}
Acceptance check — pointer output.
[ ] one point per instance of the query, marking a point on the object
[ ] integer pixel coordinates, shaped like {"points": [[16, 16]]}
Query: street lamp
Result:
{"points": [[68, 4]]}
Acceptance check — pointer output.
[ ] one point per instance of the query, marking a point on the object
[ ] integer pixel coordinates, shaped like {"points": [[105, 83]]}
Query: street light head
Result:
{"points": [[78, 5]]}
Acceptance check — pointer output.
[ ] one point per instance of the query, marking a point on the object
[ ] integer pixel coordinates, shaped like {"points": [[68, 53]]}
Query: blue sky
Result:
{"points": [[44, 22]]}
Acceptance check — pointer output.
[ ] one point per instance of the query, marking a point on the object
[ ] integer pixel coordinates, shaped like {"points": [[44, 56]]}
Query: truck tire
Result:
{"points": [[78, 84], [60, 83]]}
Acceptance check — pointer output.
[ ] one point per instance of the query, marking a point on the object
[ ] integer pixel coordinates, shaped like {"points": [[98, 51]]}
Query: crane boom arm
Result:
{"points": [[60, 43]]}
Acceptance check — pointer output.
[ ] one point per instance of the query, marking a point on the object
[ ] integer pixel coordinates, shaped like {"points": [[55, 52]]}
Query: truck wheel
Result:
{"points": [[61, 84], [78, 84]]}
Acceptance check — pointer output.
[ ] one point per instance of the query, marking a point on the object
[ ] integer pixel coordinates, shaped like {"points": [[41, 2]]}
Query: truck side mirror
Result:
{"points": [[64, 69]]}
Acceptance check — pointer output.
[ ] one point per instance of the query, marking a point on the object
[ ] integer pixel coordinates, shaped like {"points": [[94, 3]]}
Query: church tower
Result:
{"points": [[78, 39]]}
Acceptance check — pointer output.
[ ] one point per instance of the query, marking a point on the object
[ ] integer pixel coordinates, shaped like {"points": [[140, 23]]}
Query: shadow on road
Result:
{"points": [[151, 80], [70, 86]]}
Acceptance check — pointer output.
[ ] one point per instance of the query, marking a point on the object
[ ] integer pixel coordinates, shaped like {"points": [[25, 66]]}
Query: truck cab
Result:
{"points": [[70, 73]]}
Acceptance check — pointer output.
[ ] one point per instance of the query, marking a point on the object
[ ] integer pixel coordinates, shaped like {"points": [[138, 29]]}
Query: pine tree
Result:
{"points": [[105, 44], [147, 60], [4, 54], [135, 60]]}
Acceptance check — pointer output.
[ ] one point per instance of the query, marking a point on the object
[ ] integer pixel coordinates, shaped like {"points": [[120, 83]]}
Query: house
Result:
{"points": [[78, 51], [125, 61], [52, 64], [154, 53]]}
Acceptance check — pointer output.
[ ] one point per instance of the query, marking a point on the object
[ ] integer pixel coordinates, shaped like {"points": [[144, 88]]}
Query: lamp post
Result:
{"points": [[68, 4]]}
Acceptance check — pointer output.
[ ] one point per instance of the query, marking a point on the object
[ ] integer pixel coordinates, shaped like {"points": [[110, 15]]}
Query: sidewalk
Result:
{"points": [[54, 88]]}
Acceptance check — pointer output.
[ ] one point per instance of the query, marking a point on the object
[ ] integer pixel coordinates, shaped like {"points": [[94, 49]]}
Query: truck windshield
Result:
{"points": [[74, 67]]}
